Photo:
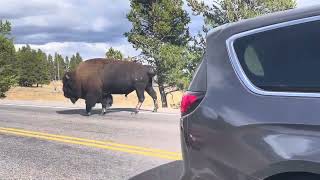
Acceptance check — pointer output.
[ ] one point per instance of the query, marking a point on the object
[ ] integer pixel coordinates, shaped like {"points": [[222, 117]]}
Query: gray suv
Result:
{"points": [[252, 110]]}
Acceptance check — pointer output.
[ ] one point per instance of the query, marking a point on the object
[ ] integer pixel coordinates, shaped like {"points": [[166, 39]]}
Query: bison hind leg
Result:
{"points": [[140, 94], [153, 94]]}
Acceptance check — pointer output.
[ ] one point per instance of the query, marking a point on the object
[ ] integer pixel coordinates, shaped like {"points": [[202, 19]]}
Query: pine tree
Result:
{"points": [[78, 58], [156, 24], [67, 64], [42, 68], [75, 60], [60, 66], [73, 63], [114, 54], [51, 67], [7, 59], [27, 66]]}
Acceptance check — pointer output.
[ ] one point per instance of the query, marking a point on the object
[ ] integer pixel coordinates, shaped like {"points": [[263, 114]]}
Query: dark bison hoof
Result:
{"points": [[155, 110], [88, 114], [103, 113]]}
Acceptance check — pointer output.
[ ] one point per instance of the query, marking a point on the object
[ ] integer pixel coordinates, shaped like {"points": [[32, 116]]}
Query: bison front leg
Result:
{"points": [[91, 101]]}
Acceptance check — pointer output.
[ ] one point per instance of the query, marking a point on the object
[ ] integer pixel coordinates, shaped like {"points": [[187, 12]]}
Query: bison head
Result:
{"points": [[69, 87]]}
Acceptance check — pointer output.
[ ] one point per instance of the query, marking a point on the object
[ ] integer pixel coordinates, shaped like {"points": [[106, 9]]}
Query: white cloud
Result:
{"points": [[66, 20], [100, 24], [87, 50]]}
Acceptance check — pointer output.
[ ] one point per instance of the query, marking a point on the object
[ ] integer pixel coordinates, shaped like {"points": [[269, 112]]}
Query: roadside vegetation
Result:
{"points": [[160, 30]]}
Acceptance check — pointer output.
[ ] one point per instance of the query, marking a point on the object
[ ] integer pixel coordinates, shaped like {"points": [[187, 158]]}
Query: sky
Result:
{"points": [[70, 26]]}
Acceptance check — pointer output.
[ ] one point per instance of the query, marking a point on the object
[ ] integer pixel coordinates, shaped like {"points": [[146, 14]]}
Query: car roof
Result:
{"points": [[230, 29]]}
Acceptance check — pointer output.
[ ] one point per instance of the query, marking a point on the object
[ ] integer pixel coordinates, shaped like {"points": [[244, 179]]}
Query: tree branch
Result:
{"points": [[171, 91]]}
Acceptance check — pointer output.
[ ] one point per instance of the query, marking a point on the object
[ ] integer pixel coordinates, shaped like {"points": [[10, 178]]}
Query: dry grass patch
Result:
{"points": [[53, 92]]}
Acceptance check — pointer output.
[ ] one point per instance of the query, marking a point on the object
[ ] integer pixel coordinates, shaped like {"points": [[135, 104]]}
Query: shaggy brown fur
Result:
{"points": [[96, 79]]}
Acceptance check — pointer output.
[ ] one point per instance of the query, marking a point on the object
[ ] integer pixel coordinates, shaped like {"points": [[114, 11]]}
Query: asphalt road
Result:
{"points": [[39, 142]]}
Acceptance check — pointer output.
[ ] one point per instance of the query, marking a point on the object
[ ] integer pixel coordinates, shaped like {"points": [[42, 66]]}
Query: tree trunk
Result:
{"points": [[163, 96], [37, 85]]}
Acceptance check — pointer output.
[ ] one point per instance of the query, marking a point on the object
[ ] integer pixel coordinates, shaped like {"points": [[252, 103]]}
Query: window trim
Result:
{"points": [[233, 57]]}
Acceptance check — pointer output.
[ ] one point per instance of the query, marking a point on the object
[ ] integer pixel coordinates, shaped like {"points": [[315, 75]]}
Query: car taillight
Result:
{"points": [[190, 100]]}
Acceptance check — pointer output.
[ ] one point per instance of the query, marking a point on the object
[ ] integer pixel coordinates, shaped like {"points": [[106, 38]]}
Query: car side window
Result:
{"points": [[285, 59]]}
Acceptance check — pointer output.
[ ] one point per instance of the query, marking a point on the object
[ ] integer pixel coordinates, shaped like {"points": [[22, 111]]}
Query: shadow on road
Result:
{"points": [[96, 111], [170, 171]]}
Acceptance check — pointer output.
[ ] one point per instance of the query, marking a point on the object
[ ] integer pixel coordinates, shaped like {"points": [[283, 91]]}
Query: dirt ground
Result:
{"points": [[53, 92]]}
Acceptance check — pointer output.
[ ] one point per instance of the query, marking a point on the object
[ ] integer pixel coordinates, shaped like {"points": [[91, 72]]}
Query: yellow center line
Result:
{"points": [[109, 143], [97, 144]]}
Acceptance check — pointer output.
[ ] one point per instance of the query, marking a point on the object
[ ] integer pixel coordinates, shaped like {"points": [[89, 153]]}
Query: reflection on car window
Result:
{"points": [[252, 61], [285, 59]]}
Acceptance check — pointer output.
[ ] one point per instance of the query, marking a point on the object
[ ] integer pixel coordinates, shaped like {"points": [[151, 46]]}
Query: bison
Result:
{"points": [[95, 80]]}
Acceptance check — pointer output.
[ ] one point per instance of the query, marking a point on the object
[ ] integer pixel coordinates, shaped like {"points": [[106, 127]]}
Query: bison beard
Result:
{"points": [[95, 81]]}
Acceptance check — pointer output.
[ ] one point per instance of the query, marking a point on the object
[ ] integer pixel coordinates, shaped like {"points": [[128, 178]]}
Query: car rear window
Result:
{"points": [[199, 81], [285, 59]]}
